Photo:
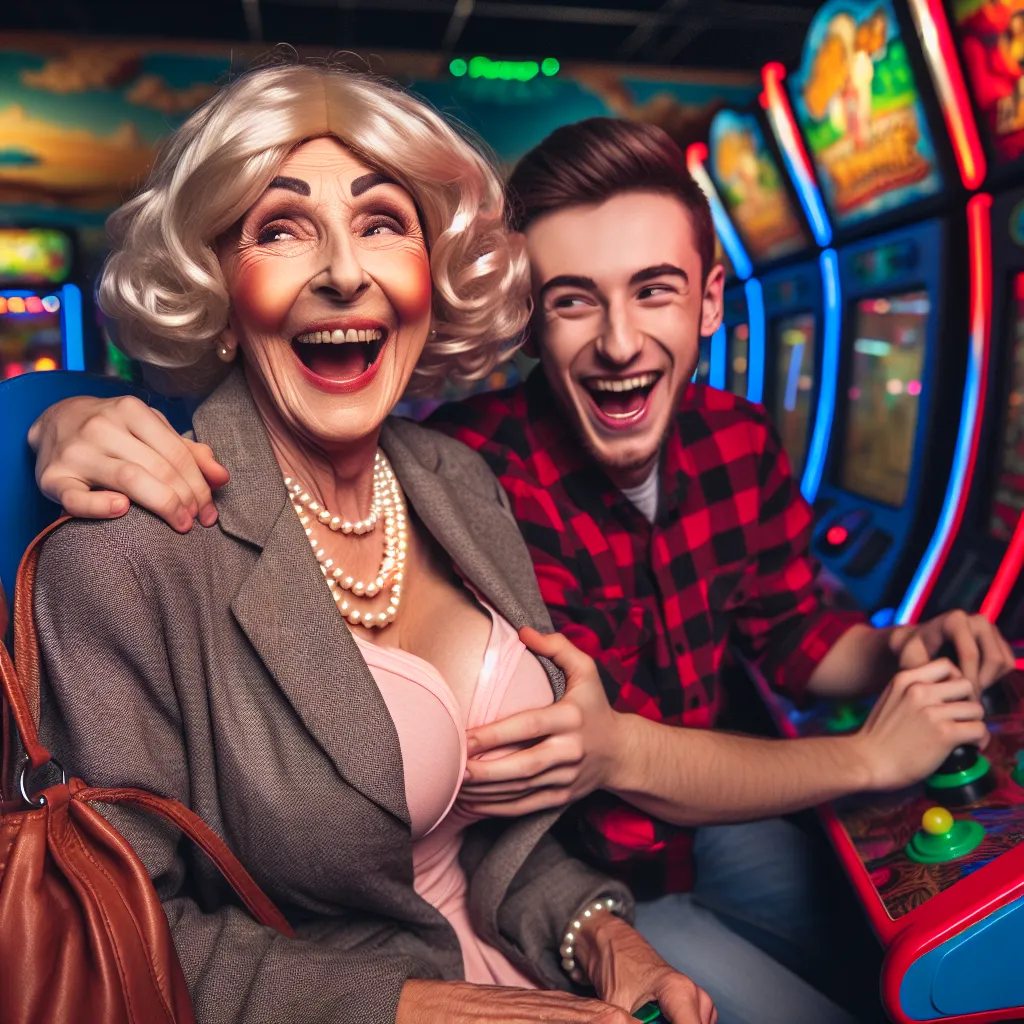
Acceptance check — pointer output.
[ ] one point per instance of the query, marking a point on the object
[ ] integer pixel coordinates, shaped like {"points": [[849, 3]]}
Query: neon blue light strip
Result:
{"points": [[716, 378], [954, 489], [808, 194], [71, 319], [818, 449], [796, 359], [755, 346]]}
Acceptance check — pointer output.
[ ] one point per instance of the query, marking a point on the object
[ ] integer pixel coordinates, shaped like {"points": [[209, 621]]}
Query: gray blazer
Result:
{"points": [[214, 668]]}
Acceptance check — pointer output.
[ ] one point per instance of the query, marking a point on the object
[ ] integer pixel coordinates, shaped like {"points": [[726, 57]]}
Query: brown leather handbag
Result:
{"points": [[83, 937]]}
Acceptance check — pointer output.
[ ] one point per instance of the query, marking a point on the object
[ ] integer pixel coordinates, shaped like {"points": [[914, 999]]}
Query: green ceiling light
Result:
{"points": [[549, 66], [458, 67], [503, 70]]}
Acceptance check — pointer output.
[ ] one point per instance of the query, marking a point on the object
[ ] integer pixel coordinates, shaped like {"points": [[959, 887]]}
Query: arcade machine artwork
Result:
{"points": [[40, 310], [855, 98], [786, 302]]}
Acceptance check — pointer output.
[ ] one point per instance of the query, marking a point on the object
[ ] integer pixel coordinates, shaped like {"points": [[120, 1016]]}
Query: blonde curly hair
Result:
{"points": [[162, 283]]}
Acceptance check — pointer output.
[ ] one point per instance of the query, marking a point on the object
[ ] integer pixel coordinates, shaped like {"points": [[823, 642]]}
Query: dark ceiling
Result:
{"points": [[732, 34]]}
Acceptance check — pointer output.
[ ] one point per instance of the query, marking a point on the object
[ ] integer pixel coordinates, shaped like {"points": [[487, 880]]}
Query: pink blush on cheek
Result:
{"points": [[262, 294]]}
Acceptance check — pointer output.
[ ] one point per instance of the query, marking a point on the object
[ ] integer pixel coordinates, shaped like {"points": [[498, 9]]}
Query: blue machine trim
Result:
{"points": [[810, 198], [796, 358], [716, 378], [829, 377], [755, 346], [71, 321], [730, 239], [976, 970], [969, 410]]}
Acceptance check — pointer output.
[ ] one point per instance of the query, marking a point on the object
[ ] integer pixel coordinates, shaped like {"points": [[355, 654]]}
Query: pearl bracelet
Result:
{"points": [[568, 947]]}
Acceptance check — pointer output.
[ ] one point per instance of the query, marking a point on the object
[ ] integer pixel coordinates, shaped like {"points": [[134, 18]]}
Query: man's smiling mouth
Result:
{"points": [[621, 401]]}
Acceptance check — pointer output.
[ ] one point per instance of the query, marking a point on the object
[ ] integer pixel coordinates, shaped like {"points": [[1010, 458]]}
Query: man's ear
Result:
{"points": [[712, 308]]}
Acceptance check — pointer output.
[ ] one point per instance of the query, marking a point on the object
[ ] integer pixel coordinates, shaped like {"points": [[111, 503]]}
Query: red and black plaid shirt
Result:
{"points": [[725, 562]]}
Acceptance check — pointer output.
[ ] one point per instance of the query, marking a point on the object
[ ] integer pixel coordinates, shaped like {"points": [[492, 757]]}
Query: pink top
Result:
{"points": [[431, 728]]}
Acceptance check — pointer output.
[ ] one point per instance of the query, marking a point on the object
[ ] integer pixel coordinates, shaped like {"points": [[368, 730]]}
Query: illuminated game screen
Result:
{"points": [[1008, 500], [739, 358], [33, 256], [857, 102], [703, 371], [794, 384], [991, 38], [750, 183], [884, 396], [30, 333]]}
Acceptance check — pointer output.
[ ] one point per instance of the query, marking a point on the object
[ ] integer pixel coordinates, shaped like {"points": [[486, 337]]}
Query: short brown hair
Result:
{"points": [[595, 159]]}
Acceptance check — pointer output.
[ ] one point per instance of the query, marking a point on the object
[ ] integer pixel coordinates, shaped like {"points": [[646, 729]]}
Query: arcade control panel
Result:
{"points": [[939, 867]]}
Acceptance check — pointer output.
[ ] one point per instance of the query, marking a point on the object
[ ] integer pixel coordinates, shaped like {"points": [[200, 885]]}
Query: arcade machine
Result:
{"points": [[41, 325], [774, 321], [939, 867], [867, 153], [980, 566]]}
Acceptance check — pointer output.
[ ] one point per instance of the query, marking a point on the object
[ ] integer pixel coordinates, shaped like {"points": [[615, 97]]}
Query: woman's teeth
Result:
{"points": [[339, 337]]}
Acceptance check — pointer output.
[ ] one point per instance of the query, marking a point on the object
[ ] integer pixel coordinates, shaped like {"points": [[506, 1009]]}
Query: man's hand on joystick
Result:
{"points": [[922, 715], [974, 643]]}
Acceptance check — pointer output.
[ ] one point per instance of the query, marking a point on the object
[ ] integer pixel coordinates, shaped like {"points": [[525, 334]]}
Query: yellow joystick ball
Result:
{"points": [[936, 821]]}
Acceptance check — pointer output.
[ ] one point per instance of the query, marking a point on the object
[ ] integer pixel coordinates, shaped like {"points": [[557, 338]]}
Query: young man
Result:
{"points": [[664, 524]]}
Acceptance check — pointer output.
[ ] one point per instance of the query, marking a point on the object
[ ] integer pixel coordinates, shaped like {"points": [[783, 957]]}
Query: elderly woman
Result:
{"points": [[303, 673]]}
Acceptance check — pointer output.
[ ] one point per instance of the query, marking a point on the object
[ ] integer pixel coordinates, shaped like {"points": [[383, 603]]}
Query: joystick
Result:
{"points": [[650, 1013], [965, 777], [942, 839]]}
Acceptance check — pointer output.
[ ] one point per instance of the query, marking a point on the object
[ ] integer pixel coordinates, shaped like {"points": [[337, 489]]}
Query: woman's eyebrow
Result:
{"points": [[291, 184], [367, 181]]}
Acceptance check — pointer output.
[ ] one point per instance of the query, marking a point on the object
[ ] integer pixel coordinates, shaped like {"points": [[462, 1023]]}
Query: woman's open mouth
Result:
{"points": [[621, 403], [340, 360]]}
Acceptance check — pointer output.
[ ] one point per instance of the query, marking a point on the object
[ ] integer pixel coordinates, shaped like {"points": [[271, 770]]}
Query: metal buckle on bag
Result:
{"points": [[26, 768]]}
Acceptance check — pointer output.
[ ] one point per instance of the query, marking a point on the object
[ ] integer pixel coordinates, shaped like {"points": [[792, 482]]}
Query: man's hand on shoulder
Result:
{"points": [[95, 455]]}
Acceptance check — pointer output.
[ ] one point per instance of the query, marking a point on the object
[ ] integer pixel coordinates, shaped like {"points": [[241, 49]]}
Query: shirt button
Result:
{"points": [[679, 648]]}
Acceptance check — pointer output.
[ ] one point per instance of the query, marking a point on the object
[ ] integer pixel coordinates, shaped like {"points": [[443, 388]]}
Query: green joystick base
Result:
{"points": [[846, 717], [650, 1013], [964, 778], [942, 839]]}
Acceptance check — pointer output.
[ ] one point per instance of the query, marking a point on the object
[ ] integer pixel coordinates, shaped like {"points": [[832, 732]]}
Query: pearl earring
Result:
{"points": [[225, 352], [433, 333]]}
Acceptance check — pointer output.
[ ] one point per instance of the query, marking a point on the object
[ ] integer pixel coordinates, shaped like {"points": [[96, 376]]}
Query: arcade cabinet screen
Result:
{"points": [[739, 356], [30, 333], [794, 382], [1008, 501], [703, 371], [884, 395]]}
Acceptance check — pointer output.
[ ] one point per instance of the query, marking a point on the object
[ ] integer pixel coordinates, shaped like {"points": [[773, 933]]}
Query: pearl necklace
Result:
{"points": [[388, 502], [336, 523]]}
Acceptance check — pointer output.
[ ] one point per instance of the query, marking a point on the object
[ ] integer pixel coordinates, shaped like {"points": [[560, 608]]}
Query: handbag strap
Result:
{"points": [[21, 689], [21, 692], [259, 905]]}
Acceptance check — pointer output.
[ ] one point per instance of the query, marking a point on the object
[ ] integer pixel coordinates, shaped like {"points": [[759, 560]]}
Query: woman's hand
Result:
{"points": [[626, 971], [127, 451], [456, 1002], [570, 750]]}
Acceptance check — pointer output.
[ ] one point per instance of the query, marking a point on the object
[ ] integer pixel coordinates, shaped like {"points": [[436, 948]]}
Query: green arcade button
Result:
{"points": [[942, 839]]}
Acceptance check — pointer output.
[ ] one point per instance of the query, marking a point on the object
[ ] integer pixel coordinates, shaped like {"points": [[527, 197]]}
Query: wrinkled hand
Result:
{"points": [[983, 653], [570, 749], [920, 717], [93, 455], [626, 971], [456, 1002]]}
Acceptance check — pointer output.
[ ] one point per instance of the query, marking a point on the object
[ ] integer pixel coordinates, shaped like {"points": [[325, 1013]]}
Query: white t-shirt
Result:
{"points": [[645, 495]]}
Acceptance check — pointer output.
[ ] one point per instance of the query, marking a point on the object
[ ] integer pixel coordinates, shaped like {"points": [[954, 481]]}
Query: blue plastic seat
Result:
{"points": [[23, 509]]}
